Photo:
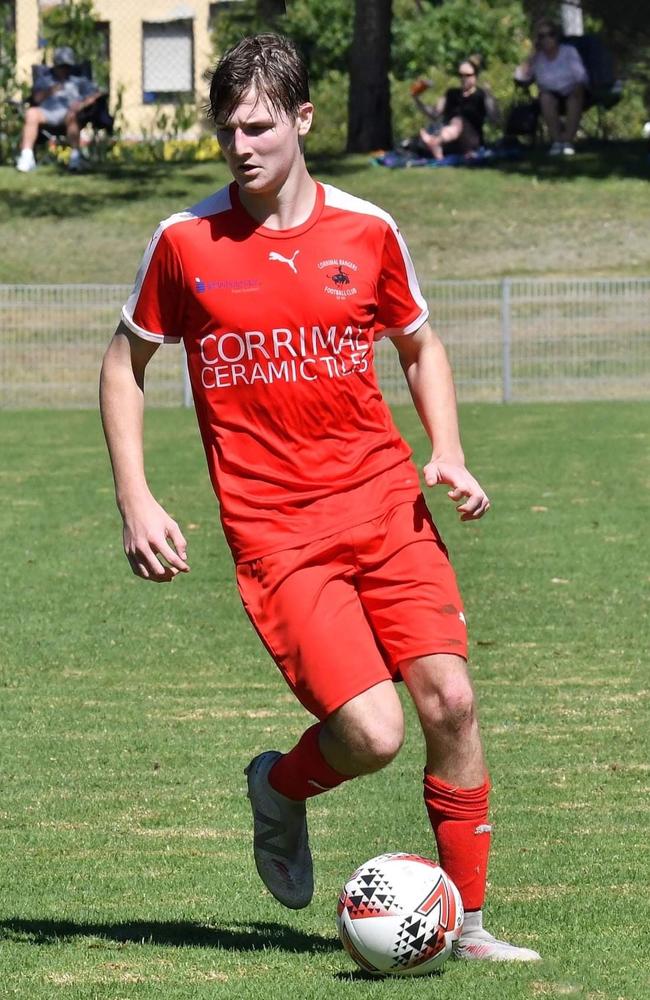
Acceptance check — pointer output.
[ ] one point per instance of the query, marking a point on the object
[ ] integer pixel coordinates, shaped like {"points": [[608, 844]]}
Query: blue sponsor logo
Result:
{"points": [[227, 285]]}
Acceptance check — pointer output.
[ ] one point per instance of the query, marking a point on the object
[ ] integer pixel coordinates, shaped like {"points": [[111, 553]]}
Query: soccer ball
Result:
{"points": [[399, 915]]}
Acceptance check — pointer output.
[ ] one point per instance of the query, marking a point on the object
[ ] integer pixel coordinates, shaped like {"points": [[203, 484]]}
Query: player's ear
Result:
{"points": [[305, 117]]}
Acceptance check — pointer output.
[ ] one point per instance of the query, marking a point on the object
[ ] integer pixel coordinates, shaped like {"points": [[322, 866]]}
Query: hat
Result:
{"points": [[64, 56]]}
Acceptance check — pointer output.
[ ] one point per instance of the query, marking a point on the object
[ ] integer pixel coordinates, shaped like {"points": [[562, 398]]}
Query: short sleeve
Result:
{"points": [[154, 309], [400, 304]]}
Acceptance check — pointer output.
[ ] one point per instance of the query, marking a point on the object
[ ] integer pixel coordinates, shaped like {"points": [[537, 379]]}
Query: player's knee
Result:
{"points": [[380, 743], [450, 706], [372, 741], [33, 115], [456, 705]]}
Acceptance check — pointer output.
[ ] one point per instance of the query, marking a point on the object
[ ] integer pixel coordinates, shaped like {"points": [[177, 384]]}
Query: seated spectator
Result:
{"points": [[463, 110], [59, 96], [561, 78]]}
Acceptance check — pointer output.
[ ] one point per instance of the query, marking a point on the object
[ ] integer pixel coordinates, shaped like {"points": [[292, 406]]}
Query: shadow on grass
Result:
{"points": [[359, 976], [180, 934], [595, 159], [61, 195]]}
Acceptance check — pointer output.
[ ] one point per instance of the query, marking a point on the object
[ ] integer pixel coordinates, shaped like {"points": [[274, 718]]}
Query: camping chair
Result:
{"points": [[604, 91], [96, 114]]}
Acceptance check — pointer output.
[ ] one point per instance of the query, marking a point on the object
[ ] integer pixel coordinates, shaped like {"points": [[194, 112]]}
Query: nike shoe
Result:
{"points": [[280, 838], [568, 149], [477, 943]]}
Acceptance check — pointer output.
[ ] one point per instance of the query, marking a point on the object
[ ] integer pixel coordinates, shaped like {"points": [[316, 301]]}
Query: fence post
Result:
{"points": [[506, 332], [187, 388]]}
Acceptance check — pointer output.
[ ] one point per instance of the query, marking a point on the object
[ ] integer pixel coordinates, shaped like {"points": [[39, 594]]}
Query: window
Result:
{"points": [[167, 60]]}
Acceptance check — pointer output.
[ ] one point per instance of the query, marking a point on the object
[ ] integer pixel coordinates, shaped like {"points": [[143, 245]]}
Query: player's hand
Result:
{"points": [[153, 542], [463, 484]]}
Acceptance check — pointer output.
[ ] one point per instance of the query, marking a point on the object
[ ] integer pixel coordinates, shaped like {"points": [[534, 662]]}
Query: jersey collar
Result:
{"points": [[280, 234]]}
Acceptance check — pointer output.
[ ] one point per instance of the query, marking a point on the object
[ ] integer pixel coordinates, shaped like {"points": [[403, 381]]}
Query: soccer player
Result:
{"points": [[279, 286]]}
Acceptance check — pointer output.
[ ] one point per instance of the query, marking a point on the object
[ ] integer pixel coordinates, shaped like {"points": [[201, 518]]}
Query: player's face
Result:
{"points": [[261, 146]]}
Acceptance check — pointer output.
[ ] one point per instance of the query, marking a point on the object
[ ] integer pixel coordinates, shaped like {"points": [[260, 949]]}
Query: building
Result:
{"points": [[158, 50]]}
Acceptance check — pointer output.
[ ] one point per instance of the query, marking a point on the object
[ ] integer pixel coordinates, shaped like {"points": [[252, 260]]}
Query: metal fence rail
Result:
{"points": [[512, 340]]}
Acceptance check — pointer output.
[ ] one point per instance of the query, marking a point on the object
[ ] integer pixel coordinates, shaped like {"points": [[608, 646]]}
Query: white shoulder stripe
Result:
{"points": [[350, 203], [215, 204], [336, 198]]}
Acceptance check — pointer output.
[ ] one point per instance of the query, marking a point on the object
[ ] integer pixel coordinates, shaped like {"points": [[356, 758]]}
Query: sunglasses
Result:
{"points": [[468, 75], [546, 34]]}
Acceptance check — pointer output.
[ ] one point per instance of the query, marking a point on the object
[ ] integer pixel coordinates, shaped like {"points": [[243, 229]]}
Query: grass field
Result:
{"points": [[129, 712], [537, 216]]}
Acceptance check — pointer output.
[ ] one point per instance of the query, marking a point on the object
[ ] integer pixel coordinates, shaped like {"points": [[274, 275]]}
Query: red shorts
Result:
{"points": [[342, 613]]}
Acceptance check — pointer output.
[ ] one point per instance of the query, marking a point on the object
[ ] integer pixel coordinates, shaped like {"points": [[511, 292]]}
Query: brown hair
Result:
{"points": [[270, 63]]}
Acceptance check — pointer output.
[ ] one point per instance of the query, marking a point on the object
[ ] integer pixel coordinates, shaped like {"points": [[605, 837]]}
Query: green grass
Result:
{"points": [[537, 216], [129, 712]]}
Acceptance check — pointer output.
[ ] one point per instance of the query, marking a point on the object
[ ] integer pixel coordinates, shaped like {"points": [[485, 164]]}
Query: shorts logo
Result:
{"points": [[340, 276]]}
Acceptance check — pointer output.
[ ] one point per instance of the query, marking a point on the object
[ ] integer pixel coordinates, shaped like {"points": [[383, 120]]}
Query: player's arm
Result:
{"points": [[428, 374], [153, 542]]}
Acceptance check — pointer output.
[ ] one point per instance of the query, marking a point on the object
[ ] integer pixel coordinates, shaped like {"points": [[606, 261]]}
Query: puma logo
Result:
{"points": [[274, 255]]}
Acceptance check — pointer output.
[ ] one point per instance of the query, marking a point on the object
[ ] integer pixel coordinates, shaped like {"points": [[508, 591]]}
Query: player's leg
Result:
{"points": [[456, 789], [411, 598], [305, 608], [360, 737]]}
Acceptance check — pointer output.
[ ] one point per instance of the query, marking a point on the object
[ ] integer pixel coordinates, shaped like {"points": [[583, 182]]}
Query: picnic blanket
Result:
{"points": [[396, 158]]}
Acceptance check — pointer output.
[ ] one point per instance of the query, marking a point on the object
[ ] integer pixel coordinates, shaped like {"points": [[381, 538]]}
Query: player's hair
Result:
{"points": [[270, 63]]}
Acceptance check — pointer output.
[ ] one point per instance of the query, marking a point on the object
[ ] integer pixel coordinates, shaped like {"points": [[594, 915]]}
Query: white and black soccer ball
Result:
{"points": [[399, 915]]}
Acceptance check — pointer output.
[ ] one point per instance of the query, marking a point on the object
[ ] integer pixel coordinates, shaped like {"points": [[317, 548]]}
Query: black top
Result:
{"points": [[472, 108]]}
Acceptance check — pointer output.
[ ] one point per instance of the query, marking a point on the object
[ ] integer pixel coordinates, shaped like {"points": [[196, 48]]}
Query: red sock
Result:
{"points": [[304, 772], [459, 820]]}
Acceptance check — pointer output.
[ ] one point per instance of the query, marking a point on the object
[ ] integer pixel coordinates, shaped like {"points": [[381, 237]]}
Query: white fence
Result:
{"points": [[518, 339]]}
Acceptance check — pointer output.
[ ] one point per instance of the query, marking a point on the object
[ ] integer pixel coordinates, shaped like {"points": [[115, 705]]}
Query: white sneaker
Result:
{"points": [[556, 149], [477, 943], [568, 149], [26, 161], [280, 838]]}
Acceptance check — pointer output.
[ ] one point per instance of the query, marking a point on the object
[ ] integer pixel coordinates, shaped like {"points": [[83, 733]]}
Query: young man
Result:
{"points": [[278, 287]]}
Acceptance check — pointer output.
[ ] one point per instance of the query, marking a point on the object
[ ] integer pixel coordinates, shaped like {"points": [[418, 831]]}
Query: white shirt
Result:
{"points": [[562, 73]]}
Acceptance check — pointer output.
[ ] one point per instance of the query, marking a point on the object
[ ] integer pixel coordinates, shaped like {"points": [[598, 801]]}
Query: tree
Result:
{"points": [[369, 112]]}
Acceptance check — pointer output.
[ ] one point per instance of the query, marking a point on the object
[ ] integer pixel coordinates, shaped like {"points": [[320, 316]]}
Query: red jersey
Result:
{"points": [[279, 329]]}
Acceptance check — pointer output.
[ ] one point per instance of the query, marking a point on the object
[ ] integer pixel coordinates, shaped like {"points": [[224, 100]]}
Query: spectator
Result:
{"points": [[463, 110], [561, 78], [59, 96]]}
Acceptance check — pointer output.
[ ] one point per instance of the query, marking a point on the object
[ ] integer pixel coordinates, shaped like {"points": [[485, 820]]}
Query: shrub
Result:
{"points": [[12, 96], [75, 24]]}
